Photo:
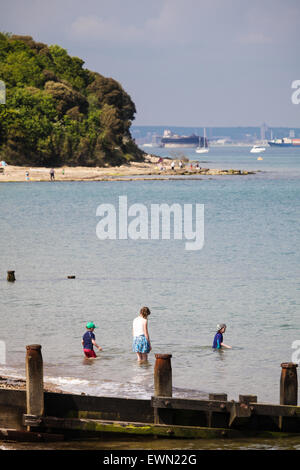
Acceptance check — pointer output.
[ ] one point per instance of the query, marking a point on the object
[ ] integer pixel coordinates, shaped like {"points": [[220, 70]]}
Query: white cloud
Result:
{"points": [[94, 27], [191, 22]]}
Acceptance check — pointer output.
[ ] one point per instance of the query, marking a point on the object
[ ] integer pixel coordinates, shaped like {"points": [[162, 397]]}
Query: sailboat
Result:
{"points": [[204, 148]]}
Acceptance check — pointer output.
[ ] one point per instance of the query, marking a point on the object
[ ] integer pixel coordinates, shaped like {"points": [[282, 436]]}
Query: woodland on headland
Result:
{"points": [[59, 113]]}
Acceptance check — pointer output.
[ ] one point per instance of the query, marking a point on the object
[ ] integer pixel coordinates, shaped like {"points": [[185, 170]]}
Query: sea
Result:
{"points": [[246, 275]]}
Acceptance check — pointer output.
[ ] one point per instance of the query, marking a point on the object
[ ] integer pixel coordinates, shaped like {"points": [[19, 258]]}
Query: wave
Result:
{"points": [[109, 388]]}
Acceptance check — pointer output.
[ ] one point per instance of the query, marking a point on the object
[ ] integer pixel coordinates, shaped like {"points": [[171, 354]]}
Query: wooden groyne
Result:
{"points": [[34, 414]]}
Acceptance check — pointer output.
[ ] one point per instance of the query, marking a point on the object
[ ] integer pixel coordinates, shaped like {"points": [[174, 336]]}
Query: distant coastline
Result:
{"points": [[229, 136]]}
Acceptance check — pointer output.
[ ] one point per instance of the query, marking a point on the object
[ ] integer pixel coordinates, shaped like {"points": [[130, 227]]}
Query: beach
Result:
{"points": [[137, 170], [14, 383]]}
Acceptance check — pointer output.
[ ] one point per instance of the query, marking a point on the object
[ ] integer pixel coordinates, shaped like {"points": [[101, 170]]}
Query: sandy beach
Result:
{"points": [[151, 167]]}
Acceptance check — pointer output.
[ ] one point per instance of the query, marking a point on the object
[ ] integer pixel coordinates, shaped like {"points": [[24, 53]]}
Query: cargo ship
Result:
{"points": [[285, 142], [174, 140]]}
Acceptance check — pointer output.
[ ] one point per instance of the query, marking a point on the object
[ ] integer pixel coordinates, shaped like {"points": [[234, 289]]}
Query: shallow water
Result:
{"points": [[246, 275]]}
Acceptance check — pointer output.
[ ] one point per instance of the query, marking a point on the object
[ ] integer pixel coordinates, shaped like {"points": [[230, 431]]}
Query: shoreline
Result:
{"points": [[14, 383], [135, 171]]}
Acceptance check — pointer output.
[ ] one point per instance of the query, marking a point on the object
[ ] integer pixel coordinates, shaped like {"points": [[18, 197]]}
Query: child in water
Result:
{"points": [[88, 341], [218, 339], [141, 344]]}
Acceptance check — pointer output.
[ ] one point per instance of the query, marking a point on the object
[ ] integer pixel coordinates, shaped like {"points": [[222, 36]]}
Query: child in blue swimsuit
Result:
{"points": [[218, 339]]}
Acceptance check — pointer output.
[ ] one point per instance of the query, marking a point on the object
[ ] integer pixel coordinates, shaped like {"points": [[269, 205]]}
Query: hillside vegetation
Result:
{"points": [[59, 113]]}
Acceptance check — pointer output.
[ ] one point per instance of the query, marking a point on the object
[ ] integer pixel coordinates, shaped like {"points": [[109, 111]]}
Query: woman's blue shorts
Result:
{"points": [[140, 344]]}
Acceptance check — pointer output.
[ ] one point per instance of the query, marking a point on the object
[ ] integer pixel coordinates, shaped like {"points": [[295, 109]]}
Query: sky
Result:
{"points": [[183, 62]]}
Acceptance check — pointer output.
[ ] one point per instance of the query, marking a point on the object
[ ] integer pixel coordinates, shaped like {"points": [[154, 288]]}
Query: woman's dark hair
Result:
{"points": [[145, 312]]}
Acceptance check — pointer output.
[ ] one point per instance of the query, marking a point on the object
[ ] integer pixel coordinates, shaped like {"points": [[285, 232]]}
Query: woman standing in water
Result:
{"points": [[141, 341]]}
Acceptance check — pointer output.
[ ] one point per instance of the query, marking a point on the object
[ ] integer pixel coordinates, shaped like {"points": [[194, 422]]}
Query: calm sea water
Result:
{"points": [[246, 275]]}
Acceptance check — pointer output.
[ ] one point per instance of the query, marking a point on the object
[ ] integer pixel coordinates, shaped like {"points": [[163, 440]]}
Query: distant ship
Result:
{"points": [[285, 142], [173, 140]]}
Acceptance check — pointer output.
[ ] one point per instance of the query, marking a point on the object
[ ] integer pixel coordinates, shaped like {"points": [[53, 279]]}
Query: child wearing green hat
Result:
{"points": [[89, 340]]}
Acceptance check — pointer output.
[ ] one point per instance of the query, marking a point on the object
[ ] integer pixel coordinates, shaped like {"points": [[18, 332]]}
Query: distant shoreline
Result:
{"points": [[150, 169]]}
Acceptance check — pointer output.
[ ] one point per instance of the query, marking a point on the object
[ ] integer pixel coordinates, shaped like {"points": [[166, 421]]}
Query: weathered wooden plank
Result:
{"points": [[260, 409], [12, 408], [112, 408], [263, 409], [10, 397], [218, 396], [25, 436], [191, 404], [247, 398], [91, 426], [239, 414]]}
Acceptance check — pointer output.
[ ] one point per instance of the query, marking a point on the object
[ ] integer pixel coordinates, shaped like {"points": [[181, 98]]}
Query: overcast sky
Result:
{"points": [[183, 62]]}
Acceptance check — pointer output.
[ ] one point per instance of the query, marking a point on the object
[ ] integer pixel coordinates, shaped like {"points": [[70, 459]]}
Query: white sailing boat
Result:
{"points": [[204, 148]]}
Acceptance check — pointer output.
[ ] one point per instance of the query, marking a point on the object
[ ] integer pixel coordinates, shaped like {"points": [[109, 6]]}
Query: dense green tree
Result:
{"points": [[57, 112]]}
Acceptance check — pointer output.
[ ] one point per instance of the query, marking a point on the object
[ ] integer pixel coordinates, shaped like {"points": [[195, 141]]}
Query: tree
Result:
{"points": [[57, 112]]}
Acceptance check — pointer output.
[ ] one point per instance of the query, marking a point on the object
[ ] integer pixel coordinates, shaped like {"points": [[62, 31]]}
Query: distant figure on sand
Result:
{"points": [[52, 173], [89, 340], [141, 341], [173, 165], [27, 175], [218, 339]]}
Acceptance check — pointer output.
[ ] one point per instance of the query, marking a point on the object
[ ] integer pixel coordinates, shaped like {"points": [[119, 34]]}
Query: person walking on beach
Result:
{"points": [[173, 165], [52, 173], [141, 340], [89, 340], [218, 339]]}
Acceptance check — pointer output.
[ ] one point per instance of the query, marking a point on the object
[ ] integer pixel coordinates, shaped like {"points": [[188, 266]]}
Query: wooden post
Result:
{"points": [[34, 381], [11, 276], [288, 384], [288, 390], [163, 386], [163, 375]]}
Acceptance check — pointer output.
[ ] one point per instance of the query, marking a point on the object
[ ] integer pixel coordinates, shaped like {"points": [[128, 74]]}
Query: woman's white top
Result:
{"points": [[138, 326]]}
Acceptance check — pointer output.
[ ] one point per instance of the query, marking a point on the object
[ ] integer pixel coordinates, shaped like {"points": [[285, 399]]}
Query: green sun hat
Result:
{"points": [[91, 325]]}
